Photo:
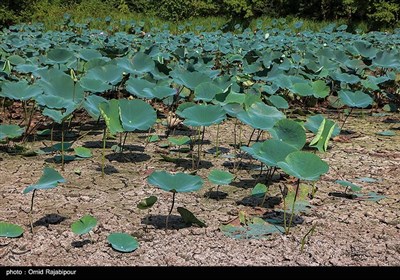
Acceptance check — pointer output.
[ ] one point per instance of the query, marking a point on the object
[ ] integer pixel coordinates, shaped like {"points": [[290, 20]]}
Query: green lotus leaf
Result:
{"points": [[84, 225], [49, 180], [10, 131], [289, 132], [323, 135], [270, 152], [220, 177], [60, 55], [110, 112], [302, 204], [94, 85], [206, 91], [137, 87], [16, 60], [91, 104], [189, 218], [159, 92], [179, 182], [179, 141], [304, 166], [382, 133], [260, 116], [313, 124], [83, 152], [386, 59], [278, 101], [147, 203], [303, 89], [353, 187], [320, 89], [136, 114], [10, 230], [346, 78], [123, 242], [19, 90], [256, 229], [357, 99], [259, 190], [109, 73], [189, 79], [203, 115], [89, 54]]}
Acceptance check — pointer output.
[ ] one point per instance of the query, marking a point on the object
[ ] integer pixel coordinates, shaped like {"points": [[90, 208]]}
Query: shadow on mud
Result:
{"points": [[254, 201], [80, 244], [217, 195], [158, 221], [128, 157], [49, 219]]}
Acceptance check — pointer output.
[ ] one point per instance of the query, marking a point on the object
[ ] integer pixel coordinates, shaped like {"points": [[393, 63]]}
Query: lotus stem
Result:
{"points": [[62, 145], [103, 157], [170, 210], [147, 221], [345, 119], [200, 145], [25, 110], [270, 175], [217, 142], [303, 240], [240, 134], [147, 138], [294, 202], [261, 170], [123, 143], [29, 122], [217, 192], [259, 135], [31, 210], [74, 90], [314, 190], [236, 161], [234, 135], [202, 136], [251, 136], [198, 148], [52, 134], [284, 214], [4, 106], [91, 238]]}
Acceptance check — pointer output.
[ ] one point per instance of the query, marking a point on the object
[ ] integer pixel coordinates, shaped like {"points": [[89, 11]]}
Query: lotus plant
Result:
{"points": [[175, 183], [49, 180]]}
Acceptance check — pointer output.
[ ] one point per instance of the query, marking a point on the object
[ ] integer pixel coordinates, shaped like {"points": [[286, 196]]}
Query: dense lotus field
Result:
{"points": [[133, 82]]}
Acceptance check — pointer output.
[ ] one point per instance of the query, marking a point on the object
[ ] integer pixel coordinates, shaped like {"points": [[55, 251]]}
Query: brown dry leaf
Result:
{"points": [[342, 139]]}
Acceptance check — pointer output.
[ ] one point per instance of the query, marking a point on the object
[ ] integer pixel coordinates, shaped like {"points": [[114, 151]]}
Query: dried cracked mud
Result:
{"points": [[347, 232]]}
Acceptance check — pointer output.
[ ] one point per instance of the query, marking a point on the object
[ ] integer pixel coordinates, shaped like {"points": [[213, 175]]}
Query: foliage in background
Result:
{"points": [[382, 14]]}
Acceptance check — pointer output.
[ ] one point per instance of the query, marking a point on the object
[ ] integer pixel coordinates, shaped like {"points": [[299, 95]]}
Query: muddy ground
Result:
{"points": [[347, 233]]}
